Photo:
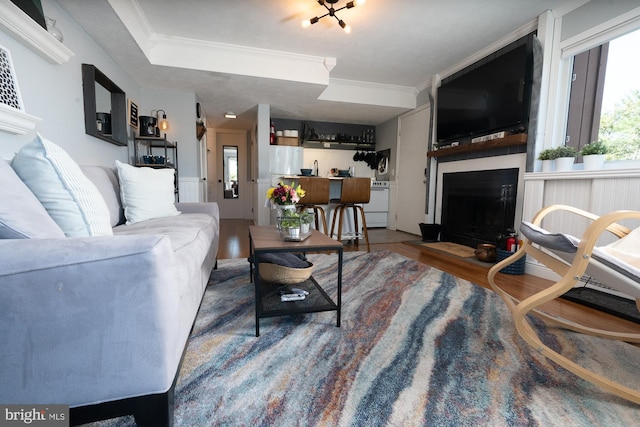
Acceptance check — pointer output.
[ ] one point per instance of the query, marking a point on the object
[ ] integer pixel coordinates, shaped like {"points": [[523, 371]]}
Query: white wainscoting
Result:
{"points": [[599, 192], [190, 189]]}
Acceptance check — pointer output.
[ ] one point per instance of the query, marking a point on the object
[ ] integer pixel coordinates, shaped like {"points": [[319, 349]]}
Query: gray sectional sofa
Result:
{"points": [[99, 323]]}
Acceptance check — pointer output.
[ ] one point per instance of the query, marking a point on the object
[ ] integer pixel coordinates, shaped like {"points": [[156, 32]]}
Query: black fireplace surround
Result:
{"points": [[478, 206]]}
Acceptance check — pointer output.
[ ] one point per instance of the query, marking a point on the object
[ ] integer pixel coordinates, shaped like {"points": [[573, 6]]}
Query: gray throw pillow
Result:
{"points": [[21, 214]]}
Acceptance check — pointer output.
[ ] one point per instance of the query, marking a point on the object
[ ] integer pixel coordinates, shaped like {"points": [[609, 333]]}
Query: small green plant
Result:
{"points": [[306, 217], [291, 220], [596, 147], [548, 154], [565, 151]]}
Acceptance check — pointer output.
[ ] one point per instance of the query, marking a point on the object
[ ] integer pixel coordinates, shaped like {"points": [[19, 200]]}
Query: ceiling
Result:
{"points": [[237, 54]]}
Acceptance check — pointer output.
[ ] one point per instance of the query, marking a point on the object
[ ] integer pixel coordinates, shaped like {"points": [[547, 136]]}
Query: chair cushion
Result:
{"points": [[554, 241], [21, 214], [69, 197], [146, 193]]}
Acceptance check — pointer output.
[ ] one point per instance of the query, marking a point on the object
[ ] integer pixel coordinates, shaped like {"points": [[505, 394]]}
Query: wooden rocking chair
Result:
{"points": [[572, 258]]}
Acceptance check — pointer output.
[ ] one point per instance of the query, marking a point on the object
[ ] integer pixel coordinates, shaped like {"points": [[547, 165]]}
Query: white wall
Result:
{"points": [[54, 93]]}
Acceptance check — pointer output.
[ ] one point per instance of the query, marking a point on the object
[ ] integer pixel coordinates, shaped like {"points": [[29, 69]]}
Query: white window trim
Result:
{"points": [[565, 51]]}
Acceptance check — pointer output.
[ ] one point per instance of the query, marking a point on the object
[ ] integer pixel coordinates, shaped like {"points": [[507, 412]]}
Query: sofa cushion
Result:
{"points": [[69, 197], [146, 193], [21, 214], [182, 230]]}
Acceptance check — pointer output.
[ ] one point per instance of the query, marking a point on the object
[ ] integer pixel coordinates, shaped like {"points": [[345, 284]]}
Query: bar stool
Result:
{"points": [[355, 191], [316, 194]]}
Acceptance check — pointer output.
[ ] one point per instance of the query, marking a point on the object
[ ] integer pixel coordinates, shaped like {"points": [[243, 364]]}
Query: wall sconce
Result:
{"points": [[163, 124]]}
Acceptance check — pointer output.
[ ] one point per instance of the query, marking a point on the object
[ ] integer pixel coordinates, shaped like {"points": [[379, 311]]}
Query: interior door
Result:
{"points": [[231, 174], [411, 163]]}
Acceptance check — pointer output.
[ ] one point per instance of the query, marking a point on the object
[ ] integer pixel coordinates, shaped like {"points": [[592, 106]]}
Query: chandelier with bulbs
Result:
{"points": [[331, 11]]}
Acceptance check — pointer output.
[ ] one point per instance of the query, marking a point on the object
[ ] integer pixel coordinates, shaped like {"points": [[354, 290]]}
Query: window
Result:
{"points": [[605, 98]]}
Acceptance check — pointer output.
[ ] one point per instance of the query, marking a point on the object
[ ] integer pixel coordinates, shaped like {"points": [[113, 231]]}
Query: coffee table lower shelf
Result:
{"points": [[270, 305], [263, 240]]}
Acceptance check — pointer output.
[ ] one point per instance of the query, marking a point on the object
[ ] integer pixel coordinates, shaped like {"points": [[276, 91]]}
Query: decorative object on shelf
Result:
{"points": [[564, 158], [200, 129], [594, 155], [548, 159], [53, 30], [331, 11], [147, 126]]}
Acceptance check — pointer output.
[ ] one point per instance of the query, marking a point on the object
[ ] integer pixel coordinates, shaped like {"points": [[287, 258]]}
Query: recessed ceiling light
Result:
{"points": [[230, 115]]}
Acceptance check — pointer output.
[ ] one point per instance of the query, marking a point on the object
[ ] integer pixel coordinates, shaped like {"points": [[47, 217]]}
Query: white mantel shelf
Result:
{"points": [[25, 30], [582, 174]]}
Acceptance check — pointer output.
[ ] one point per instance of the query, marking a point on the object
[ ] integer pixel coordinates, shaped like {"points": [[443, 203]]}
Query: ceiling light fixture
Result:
{"points": [[332, 12], [229, 115]]}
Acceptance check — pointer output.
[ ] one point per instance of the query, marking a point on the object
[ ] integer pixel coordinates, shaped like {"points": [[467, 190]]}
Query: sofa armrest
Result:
{"points": [[209, 208], [87, 320]]}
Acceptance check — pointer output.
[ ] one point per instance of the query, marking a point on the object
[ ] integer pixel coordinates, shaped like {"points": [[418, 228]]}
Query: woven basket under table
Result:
{"points": [[275, 273]]}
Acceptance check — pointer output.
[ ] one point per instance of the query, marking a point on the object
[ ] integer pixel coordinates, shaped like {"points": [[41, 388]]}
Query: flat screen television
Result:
{"points": [[487, 97]]}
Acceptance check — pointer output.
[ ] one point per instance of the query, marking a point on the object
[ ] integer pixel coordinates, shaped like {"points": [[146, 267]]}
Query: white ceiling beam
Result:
{"points": [[358, 92]]}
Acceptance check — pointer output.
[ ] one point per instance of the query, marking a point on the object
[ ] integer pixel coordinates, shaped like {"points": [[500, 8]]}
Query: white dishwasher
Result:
{"points": [[376, 211]]}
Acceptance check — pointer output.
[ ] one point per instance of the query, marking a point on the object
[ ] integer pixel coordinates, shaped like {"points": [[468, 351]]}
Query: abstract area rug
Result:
{"points": [[417, 347]]}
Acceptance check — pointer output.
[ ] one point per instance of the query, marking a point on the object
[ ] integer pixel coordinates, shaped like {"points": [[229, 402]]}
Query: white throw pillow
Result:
{"points": [[146, 193], [69, 197]]}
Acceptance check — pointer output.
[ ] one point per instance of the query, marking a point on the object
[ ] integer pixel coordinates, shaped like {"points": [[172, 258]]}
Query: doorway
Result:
{"points": [[413, 138], [227, 171]]}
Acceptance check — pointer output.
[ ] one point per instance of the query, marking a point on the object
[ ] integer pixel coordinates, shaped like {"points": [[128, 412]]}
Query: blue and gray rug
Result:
{"points": [[417, 347]]}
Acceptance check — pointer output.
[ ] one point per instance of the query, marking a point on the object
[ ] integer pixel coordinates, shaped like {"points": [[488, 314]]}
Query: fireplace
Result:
{"points": [[478, 206]]}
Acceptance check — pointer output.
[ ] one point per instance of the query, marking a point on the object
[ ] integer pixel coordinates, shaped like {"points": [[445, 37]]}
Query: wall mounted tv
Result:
{"points": [[490, 96]]}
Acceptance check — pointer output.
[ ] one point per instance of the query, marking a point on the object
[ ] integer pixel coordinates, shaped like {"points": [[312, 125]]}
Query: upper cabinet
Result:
{"points": [[105, 107]]}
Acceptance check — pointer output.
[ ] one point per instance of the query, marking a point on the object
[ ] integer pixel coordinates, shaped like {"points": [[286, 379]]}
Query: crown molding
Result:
{"points": [[15, 121], [25, 30]]}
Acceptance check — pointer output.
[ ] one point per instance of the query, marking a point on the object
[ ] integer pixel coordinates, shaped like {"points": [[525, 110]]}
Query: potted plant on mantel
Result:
{"points": [[593, 155], [548, 158], [565, 156]]}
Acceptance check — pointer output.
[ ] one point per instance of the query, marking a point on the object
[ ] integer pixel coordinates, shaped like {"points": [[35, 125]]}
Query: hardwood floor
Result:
{"points": [[234, 243]]}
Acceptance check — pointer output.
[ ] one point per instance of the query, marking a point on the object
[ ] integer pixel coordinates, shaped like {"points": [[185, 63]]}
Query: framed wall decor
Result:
{"points": [[132, 113]]}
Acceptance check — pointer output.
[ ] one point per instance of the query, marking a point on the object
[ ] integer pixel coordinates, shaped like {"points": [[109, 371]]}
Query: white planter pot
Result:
{"points": [[564, 164], [304, 228], [593, 161], [548, 165]]}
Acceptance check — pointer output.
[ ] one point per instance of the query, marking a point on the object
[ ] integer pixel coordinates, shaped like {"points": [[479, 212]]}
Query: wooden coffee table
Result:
{"points": [[266, 239]]}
